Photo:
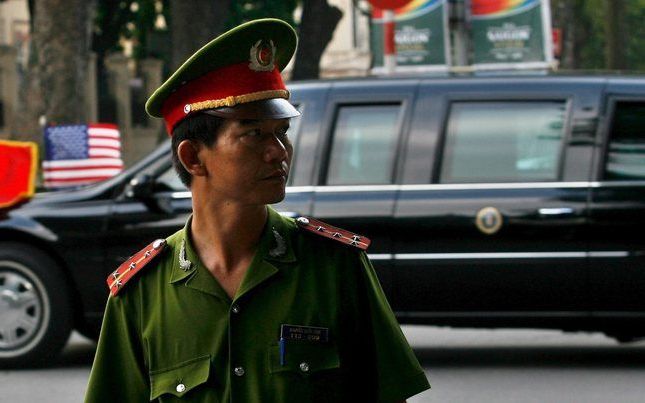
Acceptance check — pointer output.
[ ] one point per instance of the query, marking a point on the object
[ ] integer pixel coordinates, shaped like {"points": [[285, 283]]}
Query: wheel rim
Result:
{"points": [[23, 310]]}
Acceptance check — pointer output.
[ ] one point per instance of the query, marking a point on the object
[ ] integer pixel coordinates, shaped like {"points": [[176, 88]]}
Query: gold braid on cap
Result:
{"points": [[236, 100]]}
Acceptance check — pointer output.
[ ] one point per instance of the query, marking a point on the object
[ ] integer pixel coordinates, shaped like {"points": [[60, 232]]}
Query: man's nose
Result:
{"points": [[275, 150]]}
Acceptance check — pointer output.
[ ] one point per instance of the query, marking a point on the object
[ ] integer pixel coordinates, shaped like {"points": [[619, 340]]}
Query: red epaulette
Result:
{"points": [[331, 232], [132, 266]]}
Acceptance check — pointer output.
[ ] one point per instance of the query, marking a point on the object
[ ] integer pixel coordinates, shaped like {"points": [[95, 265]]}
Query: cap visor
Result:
{"points": [[275, 108]]}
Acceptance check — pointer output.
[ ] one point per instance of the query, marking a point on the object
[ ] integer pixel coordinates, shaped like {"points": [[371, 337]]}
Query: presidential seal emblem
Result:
{"points": [[489, 220], [262, 56]]}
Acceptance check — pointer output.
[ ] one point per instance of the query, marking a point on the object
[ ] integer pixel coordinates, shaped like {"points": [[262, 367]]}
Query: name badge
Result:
{"points": [[304, 333]]}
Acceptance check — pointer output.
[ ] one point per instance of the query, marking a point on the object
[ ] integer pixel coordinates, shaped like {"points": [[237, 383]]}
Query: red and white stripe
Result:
{"points": [[104, 162]]}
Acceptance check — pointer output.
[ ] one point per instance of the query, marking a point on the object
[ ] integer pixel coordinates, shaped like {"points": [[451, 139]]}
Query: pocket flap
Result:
{"points": [[304, 358], [181, 378]]}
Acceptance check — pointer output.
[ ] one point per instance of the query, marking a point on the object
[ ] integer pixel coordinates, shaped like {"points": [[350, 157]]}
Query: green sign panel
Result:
{"points": [[420, 36], [510, 32]]}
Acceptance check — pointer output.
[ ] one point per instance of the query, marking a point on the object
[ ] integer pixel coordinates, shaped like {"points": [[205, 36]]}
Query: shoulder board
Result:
{"points": [[132, 266], [331, 232]]}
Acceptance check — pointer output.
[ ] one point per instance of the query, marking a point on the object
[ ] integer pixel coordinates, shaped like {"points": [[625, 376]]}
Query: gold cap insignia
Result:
{"points": [[262, 56]]}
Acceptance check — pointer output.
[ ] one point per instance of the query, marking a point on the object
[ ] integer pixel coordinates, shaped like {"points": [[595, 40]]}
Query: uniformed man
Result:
{"points": [[242, 304]]}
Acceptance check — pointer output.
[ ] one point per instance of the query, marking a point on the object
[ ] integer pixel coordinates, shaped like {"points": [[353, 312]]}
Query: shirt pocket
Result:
{"points": [[306, 359], [179, 379]]}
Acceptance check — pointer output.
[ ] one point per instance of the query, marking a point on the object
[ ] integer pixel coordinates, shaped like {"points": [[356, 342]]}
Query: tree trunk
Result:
{"points": [[615, 34], [193, 24], [62, 32], [317, 26], [52, 88]]}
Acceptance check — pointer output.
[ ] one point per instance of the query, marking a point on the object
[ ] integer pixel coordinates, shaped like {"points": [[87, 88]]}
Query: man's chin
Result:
{"points": [[277, 198]]}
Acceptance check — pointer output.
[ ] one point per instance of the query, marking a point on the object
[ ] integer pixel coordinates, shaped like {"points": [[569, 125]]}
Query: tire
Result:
{"points": [[35, 309]]}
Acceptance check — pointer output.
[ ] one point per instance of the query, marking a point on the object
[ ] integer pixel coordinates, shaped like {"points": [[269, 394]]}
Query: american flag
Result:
{"points": [[81, 154]]}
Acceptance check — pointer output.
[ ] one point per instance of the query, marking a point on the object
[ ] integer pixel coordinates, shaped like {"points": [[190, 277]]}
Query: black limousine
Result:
{"points": [[490, 201]]}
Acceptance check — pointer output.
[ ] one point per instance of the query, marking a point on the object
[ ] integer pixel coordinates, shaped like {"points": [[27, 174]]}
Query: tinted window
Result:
{"points": [[503, 142], [364, 145], [626, 150]]}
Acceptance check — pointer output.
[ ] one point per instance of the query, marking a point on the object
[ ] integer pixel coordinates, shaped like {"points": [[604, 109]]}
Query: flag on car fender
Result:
{"points": [[78, 155], [18, 166]]}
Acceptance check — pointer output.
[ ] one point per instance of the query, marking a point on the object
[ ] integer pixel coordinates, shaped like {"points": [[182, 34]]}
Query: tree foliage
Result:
{"points": [[246, 10], [127, 19], [601, 34]]}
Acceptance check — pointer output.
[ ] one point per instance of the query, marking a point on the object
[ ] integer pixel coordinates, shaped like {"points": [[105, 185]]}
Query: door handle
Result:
{"points": [[553, 212]]}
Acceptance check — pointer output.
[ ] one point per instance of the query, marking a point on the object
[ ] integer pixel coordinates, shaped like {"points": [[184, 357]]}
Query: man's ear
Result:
{"points": [[188, 153]]}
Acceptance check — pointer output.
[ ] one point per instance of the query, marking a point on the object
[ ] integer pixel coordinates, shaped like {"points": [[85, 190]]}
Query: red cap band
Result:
{"points": [[227, 86]]}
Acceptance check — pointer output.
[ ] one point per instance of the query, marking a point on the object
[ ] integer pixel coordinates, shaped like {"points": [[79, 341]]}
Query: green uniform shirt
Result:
{"points": [[175, 335]]}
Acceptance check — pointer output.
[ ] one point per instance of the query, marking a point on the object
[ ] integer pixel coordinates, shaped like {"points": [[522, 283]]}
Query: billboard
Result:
{"points": [[511, 34], [421, 37]]}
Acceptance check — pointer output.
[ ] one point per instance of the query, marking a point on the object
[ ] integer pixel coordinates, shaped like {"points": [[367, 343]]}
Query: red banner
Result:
{"points": [[18, 166]]}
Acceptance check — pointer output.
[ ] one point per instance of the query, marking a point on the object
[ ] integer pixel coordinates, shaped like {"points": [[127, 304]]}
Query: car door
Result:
{"points": [[358, 164], [617, 243], [490, 218]]}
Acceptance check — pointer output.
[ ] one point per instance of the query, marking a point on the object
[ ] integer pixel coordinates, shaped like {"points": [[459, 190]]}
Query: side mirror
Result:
{"points": [[140, 187]]}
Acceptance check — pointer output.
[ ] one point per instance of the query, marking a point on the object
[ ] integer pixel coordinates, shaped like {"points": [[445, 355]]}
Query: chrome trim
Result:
{"points": [[300, 189], [452, 186], [447, 186], [489, 314], [181, 195], [357, 188], [609, 254], [480, 186], [496, 255], [380, 256], [492, 255], [555, 211], [614, 184]]}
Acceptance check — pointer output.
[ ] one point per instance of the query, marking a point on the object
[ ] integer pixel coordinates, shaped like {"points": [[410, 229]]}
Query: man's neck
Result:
{"points": [[226, 236]]}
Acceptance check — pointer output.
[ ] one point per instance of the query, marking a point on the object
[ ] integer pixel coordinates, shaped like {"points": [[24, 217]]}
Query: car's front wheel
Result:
{"points": [[35, 309]]}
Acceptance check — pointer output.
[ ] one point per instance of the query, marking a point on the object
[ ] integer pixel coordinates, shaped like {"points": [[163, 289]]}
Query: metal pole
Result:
{"points": [[389, 53]]}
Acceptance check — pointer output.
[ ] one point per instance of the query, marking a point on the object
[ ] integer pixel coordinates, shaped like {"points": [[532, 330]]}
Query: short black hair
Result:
{"points": [[202, 128]]}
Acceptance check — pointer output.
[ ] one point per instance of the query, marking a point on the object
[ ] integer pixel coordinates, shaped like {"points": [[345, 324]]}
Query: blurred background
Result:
{"points": [[78, 61], [72, 62]]}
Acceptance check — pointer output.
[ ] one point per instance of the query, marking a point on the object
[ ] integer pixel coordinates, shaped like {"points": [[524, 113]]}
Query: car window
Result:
{"points": [[364, 145], [626, 149], [503, 142]]}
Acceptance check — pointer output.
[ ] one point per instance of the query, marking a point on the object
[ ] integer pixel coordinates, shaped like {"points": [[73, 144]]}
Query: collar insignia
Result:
{"points": [[281, 246], [262, 56], [184, 263]]}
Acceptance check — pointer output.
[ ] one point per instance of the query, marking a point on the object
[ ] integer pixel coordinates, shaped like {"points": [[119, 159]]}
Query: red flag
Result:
{"points": [[18, 165]]}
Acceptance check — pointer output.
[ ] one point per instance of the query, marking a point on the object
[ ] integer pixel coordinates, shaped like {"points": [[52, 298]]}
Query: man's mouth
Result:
{"points": [[280, 174]]}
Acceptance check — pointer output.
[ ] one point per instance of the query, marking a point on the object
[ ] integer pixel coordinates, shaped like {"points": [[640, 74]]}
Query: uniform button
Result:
{"points": [[304, 367], [239, 371], [180, 388], [235, 308]]}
